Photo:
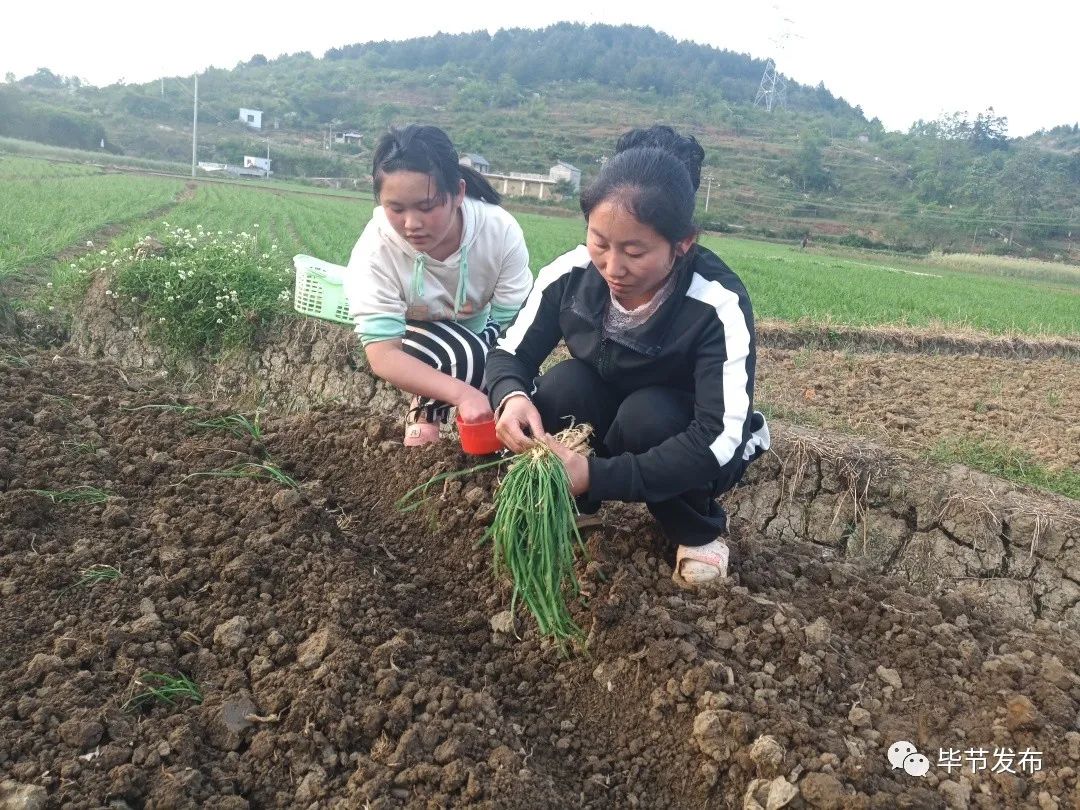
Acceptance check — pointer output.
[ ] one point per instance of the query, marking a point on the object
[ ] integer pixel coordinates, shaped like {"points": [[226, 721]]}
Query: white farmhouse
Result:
{"points": [[253, 118], [567, 172], [475, 161]]}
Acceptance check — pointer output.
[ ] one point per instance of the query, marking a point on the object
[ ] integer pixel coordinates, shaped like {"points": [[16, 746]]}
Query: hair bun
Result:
{"points": [[684, 147]]}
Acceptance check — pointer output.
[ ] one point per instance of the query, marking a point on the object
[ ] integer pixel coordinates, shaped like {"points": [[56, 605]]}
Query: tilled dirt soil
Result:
{"points": [[917, 401], [347, 657]]}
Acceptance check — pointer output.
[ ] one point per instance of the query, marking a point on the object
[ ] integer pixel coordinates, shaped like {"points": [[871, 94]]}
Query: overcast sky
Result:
{"points": [[900, 62]]}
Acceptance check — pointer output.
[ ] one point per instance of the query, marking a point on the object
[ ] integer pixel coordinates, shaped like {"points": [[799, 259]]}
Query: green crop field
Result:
{"points": [[51, 206], [549, 237], [326, 227], [47, 207], [789, 284]]}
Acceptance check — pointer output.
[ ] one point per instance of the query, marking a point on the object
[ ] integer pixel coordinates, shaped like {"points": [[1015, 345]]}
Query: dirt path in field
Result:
{"points": [[886, 339], [347, 658]]}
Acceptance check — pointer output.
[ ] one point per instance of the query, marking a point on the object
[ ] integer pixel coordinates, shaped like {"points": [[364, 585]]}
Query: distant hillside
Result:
{"points": [[527, 98]]}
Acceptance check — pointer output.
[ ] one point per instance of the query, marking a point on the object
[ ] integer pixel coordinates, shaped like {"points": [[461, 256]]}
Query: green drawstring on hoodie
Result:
{"points": [[463, 280], [419, 265]]}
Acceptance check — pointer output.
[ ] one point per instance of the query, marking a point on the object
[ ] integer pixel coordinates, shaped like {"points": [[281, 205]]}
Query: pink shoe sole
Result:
{"points": [[421, 433], [699, 565]]}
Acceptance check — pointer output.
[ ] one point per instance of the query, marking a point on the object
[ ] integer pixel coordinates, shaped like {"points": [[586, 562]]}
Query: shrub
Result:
{"points": [[199, 292]]}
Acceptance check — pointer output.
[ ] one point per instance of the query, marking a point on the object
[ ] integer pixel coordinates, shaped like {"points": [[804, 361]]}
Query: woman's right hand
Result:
{"points": [[518, 414]]}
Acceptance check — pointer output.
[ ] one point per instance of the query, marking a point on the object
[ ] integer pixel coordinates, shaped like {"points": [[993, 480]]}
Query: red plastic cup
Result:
{"points": [[478, 438]]}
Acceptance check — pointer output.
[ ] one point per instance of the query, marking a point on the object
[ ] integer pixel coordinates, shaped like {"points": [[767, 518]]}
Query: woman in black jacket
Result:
{"points": [[661, 336]]}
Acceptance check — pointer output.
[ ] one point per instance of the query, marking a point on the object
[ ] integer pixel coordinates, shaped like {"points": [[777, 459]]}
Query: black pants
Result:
{"points": [[632, 423], [454, 350]]}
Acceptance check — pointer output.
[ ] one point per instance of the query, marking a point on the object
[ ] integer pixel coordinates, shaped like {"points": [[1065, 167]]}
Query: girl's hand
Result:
{"points": [[518, 414], [474, 406], [577, 466]]}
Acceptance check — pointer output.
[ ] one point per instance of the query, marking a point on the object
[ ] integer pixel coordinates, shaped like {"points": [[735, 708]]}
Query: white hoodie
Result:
{"points": [[388, 281]]}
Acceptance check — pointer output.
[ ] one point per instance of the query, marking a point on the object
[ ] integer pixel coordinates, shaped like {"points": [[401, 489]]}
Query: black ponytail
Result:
{"points": [[478, 187], [427, 149]]}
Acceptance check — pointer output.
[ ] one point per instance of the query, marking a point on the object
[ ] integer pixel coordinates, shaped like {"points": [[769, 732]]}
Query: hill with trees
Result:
{"points": [[525, 98]]}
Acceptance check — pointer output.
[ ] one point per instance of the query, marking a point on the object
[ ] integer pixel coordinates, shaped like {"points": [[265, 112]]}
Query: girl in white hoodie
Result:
{"points": [[436, 274]]}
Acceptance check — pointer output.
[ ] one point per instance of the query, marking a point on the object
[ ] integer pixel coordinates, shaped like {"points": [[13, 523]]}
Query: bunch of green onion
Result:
{"points": [[535, 532]]}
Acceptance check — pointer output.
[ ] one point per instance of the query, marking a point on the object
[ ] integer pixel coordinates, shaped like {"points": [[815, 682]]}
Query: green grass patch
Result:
{"points": [[1007, 462], [236, 424], [326, 227], [822, 285], [80, 494], [94, 575], [80, 448], [170, 407], [17, 167], [261, 472], [161, 688], [548, 237], [200, 292]]}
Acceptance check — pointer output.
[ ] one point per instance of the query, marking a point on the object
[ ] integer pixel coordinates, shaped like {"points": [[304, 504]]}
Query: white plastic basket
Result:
{"points": [[320, 290]]}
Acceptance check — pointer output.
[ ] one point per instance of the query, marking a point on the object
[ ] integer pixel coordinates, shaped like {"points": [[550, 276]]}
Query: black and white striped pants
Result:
{"points": [[451, 348]]}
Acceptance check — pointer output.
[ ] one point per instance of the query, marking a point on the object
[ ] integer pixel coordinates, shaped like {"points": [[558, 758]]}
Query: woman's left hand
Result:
{"points": [[576, 465]]}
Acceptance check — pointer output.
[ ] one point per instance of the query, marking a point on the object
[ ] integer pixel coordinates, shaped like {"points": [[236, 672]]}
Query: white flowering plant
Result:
{"points": [[198, 291]]}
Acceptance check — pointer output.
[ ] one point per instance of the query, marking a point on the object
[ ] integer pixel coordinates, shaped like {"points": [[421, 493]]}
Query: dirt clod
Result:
{"points": [[502, 622], [232, 634], [80, 733], [314, 649], [1021, 714], [286, 499], [15, 796], [823, 790], [43, 664], [767, 755]]}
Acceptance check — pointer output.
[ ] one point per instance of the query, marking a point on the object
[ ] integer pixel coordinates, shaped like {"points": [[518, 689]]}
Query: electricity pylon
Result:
{"points": [[772, 92]]}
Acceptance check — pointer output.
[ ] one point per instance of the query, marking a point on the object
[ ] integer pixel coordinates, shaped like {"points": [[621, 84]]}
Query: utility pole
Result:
{"points": [[195, 125], [267, 175], [708, 192]]}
